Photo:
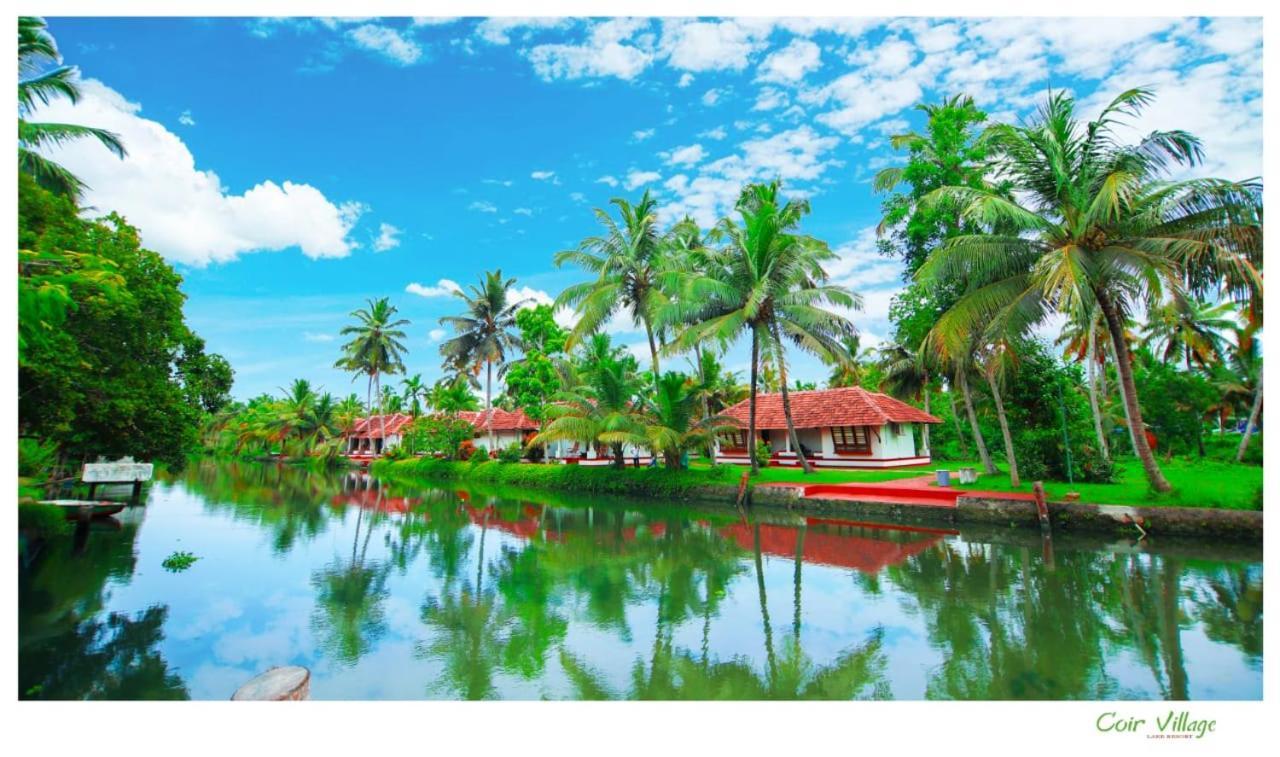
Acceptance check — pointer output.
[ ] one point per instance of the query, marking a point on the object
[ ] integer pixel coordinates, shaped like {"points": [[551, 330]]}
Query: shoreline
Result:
{"points": [[984, 511]]}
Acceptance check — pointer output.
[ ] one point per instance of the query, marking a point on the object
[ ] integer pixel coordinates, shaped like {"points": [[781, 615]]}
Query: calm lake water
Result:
{"points": [[393, 592]]}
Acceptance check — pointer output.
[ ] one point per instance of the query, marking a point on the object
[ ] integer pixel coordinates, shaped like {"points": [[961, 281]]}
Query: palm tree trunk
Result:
{"points": [[924, 430], [653, 350], [955, 416], [1009, 454], [987, 465], [488, 402], [751, 412], [1253, 420], [764, 607], [1093, 396], [786, 405], [382, 419], [1129, 393]]}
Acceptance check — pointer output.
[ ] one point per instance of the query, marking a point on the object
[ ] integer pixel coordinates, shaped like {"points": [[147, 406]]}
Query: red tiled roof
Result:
{"points": [[372, 426], [503, 420], [820, 408]]}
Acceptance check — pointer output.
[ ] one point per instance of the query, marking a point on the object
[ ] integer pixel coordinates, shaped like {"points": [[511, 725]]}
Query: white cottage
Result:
{"points": [[837, 428]]}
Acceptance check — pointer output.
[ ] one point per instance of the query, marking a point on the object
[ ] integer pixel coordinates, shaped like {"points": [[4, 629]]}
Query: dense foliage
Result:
{"points": [[107, 364]]}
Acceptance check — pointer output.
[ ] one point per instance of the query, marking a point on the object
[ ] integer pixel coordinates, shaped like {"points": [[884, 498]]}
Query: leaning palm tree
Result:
{"points": [[629, 262], [907, 376], [767, 281], [375, 348], [1095, 222], [486, 333], [38, 84]]}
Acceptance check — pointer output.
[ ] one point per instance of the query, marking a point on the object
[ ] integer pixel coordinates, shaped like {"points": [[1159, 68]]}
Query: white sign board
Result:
{"points": [[115, 473]]}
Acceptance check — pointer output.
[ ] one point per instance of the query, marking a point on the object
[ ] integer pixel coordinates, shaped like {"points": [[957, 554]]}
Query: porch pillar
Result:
{"points": [[786, 442]]}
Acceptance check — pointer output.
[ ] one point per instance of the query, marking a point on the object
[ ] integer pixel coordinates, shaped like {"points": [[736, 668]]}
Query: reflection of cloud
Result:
{"points": [[210, 619], [218, 681], [285, 636]]}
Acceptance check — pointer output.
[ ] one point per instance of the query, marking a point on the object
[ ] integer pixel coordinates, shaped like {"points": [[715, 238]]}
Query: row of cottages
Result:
{"points": [[372, 436], [837, 428]]}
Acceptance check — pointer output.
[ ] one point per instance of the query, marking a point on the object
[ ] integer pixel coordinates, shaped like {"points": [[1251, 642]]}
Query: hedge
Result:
{"points": [[634, 482]]}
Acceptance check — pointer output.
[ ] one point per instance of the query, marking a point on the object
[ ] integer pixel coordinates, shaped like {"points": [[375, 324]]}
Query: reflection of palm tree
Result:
{"points": [[349, 612], [1230, 608]]}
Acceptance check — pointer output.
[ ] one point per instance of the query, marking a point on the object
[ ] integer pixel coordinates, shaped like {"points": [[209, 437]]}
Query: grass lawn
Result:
{"points": [[1196, 483]]}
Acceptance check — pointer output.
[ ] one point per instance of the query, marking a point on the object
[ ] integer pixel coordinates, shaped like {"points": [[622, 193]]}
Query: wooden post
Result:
{"points": [[137, 491], [742, 489], [291, 683], [1042, 508]]}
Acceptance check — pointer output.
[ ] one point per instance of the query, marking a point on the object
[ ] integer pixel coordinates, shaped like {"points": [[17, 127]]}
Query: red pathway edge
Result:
{"points": [[919, 490]]}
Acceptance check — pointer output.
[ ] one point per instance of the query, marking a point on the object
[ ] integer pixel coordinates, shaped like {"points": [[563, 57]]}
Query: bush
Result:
{"points": [[42, 520], [510, 453], [479, 454], [36, 458], [763, 453], [535, 453], [465, 449], [1091, 467], [442, 435], [398, 452], [636, 482]]}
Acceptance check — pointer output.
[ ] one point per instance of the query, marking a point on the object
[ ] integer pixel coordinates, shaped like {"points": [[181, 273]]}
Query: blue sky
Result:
{"points": [[292, 168]]}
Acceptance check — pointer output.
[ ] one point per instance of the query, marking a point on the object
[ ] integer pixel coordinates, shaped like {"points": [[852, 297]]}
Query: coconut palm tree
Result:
{"points": [[671, 427], [767, 281], [907, 376], [600, 406], [453, 396], [1095, 222], [414, 392], [1190, 329], [40, 84], [630, 264], [375, 348], [486, 333]]}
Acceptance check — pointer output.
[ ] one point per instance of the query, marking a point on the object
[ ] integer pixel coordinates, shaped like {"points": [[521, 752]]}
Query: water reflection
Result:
{"points": [[391, 592]]}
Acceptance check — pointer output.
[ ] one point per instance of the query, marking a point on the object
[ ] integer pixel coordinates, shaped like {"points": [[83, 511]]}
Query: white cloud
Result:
{"points": [[796, 155], [611, 181], [186, 214], [387, 42], [443, 288], [435, 335], [605, 53], [186, 119], [498, 31], [388, 238], [686, 156], [716, 133], [860, 266], [483, 206], [711, 97], [312, 336], [543, 175], [640, 135], [770, 98], [711, 45], [791, 63], [636, 179], [685, 80], [523, 211]]}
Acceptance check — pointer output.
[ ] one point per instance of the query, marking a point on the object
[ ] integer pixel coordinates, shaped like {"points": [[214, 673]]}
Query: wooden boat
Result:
{"points": [[82, 509]]}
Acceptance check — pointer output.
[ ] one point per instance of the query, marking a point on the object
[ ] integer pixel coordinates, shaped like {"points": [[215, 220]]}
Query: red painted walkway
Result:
{"points": [[918, 490]]}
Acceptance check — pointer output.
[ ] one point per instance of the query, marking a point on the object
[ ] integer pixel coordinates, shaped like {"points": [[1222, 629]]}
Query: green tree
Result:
{"points": [[413, 393], [1095, 223], [375, 348], [485, 333], [533, 379], [672, 427], [629, 264], [768, 281], [41, 79]]}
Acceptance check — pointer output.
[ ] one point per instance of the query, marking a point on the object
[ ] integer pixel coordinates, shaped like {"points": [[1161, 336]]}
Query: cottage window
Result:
{"points": [[733, 439], [851, 439]]}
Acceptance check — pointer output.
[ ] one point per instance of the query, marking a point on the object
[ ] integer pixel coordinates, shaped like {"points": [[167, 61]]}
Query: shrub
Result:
{"points": [[441, 434], [1091, 467], [535, 453], [42, 520], [398, 452], [510, 453], [479, 454], [465, 449], [36, 458], [763, 453]]}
